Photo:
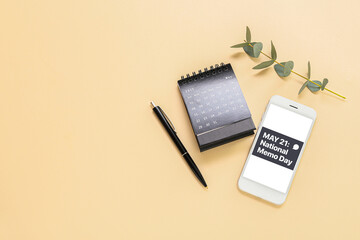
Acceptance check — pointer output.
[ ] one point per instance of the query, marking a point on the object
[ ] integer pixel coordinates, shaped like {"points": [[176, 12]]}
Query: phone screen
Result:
{"points": [[279, 143]]}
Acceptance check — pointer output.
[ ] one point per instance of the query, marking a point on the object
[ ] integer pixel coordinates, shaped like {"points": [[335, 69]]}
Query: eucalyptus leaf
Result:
{"points": [[273, 51], [325, 81], [313, 87], [288, 67], [309, 70], [240, 45], [303, 87], [248, 34], [264, 64], [257, 49], [285, 70], [254, 49]]}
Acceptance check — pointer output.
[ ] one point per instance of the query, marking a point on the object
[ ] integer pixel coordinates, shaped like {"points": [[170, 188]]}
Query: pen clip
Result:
{"points": [[168, 119]]}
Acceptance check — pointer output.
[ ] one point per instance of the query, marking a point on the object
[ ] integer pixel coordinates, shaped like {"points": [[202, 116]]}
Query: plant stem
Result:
{"points": [[298, 73]]}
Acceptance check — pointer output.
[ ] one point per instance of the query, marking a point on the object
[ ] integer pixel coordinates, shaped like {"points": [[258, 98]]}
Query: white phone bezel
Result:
{"points": [[258, 189]]}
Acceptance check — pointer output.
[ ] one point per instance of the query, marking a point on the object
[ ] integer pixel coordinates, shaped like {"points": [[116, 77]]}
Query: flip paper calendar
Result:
{"points": [[216, 106]]}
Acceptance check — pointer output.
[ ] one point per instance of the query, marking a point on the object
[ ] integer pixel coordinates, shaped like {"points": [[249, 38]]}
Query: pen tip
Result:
{"points": [[206, 187]]}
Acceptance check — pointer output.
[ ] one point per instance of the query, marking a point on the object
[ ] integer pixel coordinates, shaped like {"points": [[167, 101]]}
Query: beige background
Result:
{"points": [[83, 157]]}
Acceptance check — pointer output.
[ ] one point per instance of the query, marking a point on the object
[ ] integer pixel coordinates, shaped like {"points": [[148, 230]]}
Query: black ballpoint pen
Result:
{"points": [[166, 122]]}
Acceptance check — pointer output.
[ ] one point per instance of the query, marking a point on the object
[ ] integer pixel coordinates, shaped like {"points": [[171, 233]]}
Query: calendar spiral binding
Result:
{"points": [[206, 72]]}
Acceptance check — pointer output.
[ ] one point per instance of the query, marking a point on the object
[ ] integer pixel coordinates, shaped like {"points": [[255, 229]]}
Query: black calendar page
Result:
{"points": [[213, 99]]}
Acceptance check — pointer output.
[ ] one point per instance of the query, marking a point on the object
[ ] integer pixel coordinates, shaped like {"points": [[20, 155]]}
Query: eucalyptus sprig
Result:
{"points": [[283, 69]]}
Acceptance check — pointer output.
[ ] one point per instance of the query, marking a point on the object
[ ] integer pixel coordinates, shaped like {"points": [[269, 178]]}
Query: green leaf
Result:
{"points": [[249, 50], [309, 70], [240, 45], [285, 70], [257, 49], [248, 34], [253, 51], [288, 67], [273, 51], [313, 87], [264, 64], [303, 87], [325, 81]]}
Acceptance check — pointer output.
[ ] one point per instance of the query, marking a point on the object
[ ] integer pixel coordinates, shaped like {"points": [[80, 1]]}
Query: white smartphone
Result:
{"points": [[277, 148]]}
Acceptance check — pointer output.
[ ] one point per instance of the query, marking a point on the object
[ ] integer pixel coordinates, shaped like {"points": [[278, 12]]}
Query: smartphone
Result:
{"points": [[277, 148]]}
